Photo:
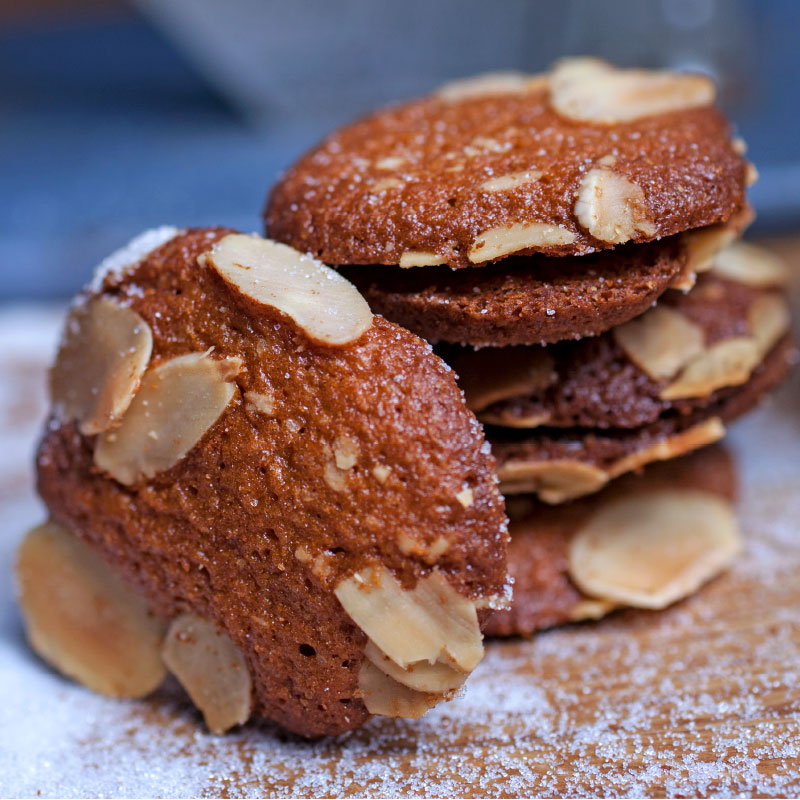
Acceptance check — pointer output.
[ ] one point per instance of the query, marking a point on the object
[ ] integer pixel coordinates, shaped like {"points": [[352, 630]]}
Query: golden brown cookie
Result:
{"points": [[582, 159], [294, 487], [685, 353], [560, 464], [642, 560]]}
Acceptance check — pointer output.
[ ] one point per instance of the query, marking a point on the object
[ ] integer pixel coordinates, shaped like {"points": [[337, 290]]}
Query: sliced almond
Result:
{"points": [[752, 265], [493, 374], [727, 363], [702, 246], [326, 306], [553, 481], [660, 341], [505, 183], [179, 401], [261, 402], [707, 432], [103, 355], [489, 84], [769, 319], [653, 549], [211, 669], [386, 697], [503, 240], [591, 609], [593, 91], [612, 207], [421, 676], [431, 622], [385, 184], [346, 451], [421, 258], [509, 419], [83, 618]]}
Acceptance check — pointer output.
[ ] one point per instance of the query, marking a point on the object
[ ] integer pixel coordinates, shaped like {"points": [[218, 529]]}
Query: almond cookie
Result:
{"points": [[560, 464], [626, 546], [584, 158], [297, 512], [526, 300], [685, 353]]}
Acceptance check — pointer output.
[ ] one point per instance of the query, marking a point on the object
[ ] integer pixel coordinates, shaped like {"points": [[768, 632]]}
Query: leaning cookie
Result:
{"points": [[686, 353], [584, 158], [257, 485], [560, 464], [645, 541]]}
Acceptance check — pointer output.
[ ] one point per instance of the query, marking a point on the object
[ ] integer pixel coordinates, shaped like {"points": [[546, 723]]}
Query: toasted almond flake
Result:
{"points": [[591, 609], [570, 479], [345, 451], [507, 418], [489, 84], [514, 180], [440, 545], [103, 355], [302, 555], [326, 306], [589, 90], [211, 669], [752, 265], [385, 184], [179, 400], [421, 258], [381, 472], [260, 401], [465, 497], [431, 622], [653, 549], [702, 247], [422, 676], [553, 481], [612, 207], [739, 145], [727, 363], [501, 241], [706, 432], [386, 697], [769, 319], [83, 618], [412, 546], [335, 478], [660, 341], [492, 374], [750, 174], [390, 162]]}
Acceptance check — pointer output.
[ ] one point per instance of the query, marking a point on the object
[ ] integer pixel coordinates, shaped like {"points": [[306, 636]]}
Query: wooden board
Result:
{"points": [[701, 699]]}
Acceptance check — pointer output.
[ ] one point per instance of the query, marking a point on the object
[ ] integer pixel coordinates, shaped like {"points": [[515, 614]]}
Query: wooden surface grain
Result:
{"points": [[702, 699]]}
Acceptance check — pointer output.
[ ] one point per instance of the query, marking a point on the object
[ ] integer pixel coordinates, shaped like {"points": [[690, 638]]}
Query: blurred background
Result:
{"points": [[117, 116]]}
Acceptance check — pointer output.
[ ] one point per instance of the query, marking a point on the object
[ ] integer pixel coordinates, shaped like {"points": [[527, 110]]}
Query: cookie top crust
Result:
{"points": [[467, 177], [526, 300], [252, 459]]}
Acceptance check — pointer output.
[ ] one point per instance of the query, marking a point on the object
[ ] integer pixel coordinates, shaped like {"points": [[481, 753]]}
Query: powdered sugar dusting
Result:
{"points": [[116, 264], [702, 699]]}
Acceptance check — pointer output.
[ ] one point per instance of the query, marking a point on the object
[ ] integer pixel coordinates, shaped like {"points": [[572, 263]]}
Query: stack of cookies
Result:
{"points": [[568, 243]]}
